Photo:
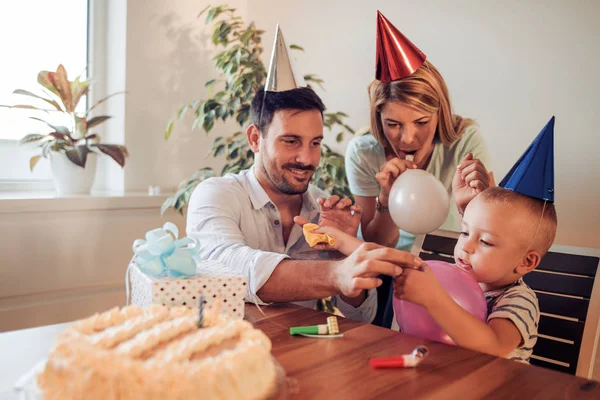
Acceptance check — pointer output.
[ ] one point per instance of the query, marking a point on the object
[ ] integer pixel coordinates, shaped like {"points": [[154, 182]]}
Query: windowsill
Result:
{"points": [[28, 202]]}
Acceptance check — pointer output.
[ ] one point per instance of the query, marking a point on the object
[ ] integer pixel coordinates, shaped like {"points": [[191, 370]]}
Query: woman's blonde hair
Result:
{"points": [[424, 90]]}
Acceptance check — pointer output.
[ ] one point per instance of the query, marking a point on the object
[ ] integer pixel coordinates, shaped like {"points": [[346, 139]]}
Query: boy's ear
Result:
{"points": [[253, 136], [529, 262]]}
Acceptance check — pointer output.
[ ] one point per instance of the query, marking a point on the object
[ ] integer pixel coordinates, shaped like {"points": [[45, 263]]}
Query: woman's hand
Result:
{"points": [[470, 179], [388, 174]]}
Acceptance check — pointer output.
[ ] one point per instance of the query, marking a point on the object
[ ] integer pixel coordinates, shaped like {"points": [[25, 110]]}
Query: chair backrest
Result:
{"points": [[569, 299]]}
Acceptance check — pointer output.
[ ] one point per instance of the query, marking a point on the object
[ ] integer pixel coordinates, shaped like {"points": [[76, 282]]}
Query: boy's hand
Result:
{"points": [[335, 233], [338, 236], [419, 286], [340, 214], [343, 242], [470, 179]]}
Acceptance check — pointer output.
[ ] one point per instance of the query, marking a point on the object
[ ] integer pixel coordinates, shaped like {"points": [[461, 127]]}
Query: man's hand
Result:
{"points": [[361, 269], [419, 286], [340, 214], [470, 179]]}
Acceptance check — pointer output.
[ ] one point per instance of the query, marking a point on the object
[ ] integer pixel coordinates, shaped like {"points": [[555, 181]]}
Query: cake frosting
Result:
{"points": [[159, 353]]}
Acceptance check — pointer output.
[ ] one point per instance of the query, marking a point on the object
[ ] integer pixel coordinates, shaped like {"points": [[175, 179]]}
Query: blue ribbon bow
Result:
{"points": [[162, 254]]}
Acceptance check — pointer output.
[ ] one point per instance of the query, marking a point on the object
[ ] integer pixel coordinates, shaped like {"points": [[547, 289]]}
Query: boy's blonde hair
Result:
{"points": [[546, 232], [424, 90]]}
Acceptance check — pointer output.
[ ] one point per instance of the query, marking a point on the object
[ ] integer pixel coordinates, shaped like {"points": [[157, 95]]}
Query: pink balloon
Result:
{"points": [[462, 287]]}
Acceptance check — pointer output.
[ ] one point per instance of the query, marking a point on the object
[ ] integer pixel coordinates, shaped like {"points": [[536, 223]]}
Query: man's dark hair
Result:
{"points": [[265, 104]]}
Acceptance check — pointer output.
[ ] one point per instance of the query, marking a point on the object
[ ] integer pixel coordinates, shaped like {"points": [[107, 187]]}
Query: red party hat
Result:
{"points": [[397, 57]]}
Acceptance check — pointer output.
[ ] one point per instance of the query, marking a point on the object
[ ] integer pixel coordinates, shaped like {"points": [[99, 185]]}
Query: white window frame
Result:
{"points": [[12, 156]]}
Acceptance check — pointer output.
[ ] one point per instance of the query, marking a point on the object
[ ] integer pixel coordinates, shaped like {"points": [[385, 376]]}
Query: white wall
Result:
{"points": [[511, 65], [64, 259], [168, 61]]}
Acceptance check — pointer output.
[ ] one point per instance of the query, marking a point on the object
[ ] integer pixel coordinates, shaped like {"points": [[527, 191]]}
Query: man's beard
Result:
{"points": [[279, 180]]}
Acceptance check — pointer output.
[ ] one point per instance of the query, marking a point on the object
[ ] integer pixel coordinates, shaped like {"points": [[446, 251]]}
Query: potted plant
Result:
{"points": [[241, 73], [70, 145]]}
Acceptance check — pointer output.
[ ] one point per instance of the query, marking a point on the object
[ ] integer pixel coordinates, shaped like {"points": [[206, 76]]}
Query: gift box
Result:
{"points": [[167, 270], [186, 291]]}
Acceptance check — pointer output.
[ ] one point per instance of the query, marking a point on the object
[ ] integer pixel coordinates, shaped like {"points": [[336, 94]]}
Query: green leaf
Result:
{"points": [[168, 203], [63, 86], [78, 155], [348, 128], [197, 121], [243, 114], [246, 36], [216, 142], [209, 121], [32, 137], [203, 11], [221, 32], [221, 113], [314, 79], [102, 101], [169, 130], [220, 149], [81, 126], [97, 120], [93, 137], [211, 15], [115, 151], [339, 137], [296, 47], [182, 111], [46, 148], [61, 136], [49, 101], [28, 107], [78, 90], [33, 162], [58, 128], [235, 103], [210, 83], [331, 170], [47, 80]]}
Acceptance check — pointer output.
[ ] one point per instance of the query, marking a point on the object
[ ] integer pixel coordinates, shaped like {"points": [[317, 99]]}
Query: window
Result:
{"points": [[36, 35]]}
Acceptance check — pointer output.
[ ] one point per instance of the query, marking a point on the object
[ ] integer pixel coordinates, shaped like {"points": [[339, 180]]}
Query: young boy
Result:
{"points": [[504, 236]]}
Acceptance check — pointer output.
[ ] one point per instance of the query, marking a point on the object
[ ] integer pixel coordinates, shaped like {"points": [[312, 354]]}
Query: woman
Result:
{"points": [[411, 115]]}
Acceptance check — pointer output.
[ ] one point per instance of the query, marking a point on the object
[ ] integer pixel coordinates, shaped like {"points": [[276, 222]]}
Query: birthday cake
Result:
{"points": [[159, 353]]}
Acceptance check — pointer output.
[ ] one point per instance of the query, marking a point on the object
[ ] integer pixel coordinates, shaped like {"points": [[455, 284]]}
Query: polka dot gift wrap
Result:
{"points": [[170, 291]]}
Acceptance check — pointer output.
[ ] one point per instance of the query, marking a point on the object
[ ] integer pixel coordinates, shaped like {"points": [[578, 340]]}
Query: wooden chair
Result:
{"points": [[569, 299]]}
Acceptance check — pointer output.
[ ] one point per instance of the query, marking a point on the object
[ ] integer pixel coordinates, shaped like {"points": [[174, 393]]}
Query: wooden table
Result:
{"points": [[338, 368]]}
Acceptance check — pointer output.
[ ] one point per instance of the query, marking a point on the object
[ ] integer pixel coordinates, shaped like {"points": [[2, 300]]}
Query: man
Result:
{"points": [[246, 220]]}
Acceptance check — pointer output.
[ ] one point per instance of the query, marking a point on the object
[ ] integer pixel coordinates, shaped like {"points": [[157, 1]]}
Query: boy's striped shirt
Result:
{"points": [[519, 304]]}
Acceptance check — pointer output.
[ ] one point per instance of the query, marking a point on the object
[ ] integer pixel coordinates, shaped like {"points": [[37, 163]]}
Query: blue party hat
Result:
{"points": [[533, 174]]}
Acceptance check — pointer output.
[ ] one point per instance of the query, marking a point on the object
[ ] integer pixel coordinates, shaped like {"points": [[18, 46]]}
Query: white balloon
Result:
{"points": [[419, 202]]}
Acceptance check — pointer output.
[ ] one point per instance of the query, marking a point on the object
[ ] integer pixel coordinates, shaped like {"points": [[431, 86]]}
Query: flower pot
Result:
{"points": [[69, 178]]}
